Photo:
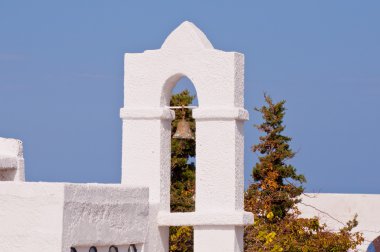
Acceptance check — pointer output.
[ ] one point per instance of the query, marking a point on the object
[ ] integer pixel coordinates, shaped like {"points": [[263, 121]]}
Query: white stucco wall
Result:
{"points": [[30, 216], [100, 215], [336, 209], [56, 216]]}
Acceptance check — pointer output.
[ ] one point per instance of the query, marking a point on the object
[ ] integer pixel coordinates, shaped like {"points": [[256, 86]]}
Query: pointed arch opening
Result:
{"points": [[175, 84]]}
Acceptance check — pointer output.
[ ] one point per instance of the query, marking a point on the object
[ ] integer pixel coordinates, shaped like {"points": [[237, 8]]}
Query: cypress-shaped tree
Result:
{"points": [[275, 180], [275, 192]]}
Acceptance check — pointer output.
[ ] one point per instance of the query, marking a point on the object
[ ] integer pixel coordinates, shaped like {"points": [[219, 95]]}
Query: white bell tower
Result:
{"points": [[218, 77]]}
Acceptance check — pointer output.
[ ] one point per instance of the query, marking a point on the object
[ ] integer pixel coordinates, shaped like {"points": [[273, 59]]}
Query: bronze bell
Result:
{"points": [[183, 129]]}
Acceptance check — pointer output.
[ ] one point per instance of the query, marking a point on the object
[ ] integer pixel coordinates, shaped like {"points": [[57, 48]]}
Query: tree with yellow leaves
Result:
{"points": [[275, 192]]}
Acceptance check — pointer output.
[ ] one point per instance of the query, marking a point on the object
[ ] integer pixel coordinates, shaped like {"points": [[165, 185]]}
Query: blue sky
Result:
{"points": [[61, 86]]}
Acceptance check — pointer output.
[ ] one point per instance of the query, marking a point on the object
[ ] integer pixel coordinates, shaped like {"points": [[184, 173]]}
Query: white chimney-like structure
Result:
{"points": [[218, 78]]}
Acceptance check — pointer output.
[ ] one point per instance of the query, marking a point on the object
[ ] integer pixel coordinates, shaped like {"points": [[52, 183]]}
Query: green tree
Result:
{"points": [[182, 188], [274, 194]]}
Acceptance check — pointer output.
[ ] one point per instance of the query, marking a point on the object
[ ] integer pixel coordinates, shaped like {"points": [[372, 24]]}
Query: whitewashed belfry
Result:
{"points": [[218, 78], [135, 216]]}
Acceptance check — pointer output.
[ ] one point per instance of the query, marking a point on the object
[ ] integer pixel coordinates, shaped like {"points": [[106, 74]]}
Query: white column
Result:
{"points": [[224, 238], [219, 178], [146, 162]]}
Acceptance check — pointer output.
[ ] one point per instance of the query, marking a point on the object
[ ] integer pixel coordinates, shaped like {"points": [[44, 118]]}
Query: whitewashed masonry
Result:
{"points": [[218, 78]]}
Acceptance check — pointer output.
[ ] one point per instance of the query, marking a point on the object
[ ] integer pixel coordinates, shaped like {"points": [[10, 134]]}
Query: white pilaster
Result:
{"points": [[146, 157]]}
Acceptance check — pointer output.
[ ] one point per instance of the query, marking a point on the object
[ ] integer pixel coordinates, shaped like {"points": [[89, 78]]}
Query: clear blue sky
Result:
{"points": [[61, 86]]}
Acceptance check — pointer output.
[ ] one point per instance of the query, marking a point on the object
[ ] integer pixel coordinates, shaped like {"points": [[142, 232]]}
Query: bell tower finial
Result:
{"points": [[187, 35]]}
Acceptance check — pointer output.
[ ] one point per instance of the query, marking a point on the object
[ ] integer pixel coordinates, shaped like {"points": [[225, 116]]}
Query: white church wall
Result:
{"points": [[336, 209], [31, 216], [104, 215], [57, 216]]}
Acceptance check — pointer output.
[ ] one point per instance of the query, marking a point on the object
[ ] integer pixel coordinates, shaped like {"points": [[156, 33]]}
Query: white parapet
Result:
{"points": [[11, 160], [58, 216]]}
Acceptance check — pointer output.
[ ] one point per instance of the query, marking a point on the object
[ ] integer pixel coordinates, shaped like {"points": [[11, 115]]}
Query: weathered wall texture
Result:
{"points": [[56, 216]]}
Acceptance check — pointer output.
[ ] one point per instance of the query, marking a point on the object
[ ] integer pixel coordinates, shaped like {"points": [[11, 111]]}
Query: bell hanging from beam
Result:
{"points": [[183, 128]]}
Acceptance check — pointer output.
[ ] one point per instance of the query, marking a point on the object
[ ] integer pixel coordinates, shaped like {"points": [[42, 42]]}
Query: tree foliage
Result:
{"points": [[272, 197], [182, 176], [274, 194]]}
